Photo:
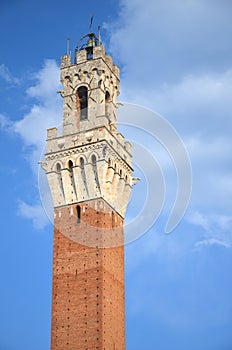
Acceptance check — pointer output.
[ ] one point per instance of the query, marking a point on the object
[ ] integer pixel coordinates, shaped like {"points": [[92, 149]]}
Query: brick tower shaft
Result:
{"points": [[88, 281]]}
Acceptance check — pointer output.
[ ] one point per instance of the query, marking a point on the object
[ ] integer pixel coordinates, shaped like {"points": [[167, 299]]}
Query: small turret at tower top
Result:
{"points": [[91, 87]]}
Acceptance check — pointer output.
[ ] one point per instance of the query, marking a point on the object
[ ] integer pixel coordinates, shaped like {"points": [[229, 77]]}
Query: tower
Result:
{"points": [[89, 173]]}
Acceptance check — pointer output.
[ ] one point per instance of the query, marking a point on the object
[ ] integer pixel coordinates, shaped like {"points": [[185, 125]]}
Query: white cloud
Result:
{"points": [[35, 213], [200, 220], [211, 223], [175, 62], [199, 103], [212, 172], [45, 113], [47, 82], [217, 229], [212, 241], [196, 104], [7, 76], [200, 109], [4, 122], [166, 40]]}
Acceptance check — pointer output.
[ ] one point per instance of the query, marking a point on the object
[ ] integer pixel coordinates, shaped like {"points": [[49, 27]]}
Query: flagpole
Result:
{"points": [[91, 24]]}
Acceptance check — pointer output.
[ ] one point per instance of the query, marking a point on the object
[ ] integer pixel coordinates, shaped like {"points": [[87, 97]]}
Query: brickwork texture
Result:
{"points": [[88, 280]]}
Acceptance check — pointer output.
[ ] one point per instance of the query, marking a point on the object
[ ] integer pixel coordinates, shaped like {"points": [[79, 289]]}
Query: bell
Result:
{"points": [[91, 42]]}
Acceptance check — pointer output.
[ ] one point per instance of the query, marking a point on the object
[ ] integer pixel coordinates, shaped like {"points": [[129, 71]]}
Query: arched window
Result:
{"points": [[107, 101], [70, 166], [58, 169], [93, 159], [95, 171], [82, 162], [82, 102], [78, 214]]}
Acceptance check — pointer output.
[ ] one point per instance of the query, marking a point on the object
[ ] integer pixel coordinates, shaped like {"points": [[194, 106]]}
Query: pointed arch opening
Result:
{"points": [[82, 162], [93, 159], [70, 165], [70, 168], [107, 103], [95, 171], [58, 170], [58, 167], [82, 102]]}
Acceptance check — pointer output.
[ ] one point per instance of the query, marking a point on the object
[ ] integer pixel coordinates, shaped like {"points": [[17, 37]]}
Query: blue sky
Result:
{"points": [[175, 58]]}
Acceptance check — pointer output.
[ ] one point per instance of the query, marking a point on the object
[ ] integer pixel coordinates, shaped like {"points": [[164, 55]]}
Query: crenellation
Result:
{"points": [[116, 71], [128, 147], [81, 56], [99, 52], [51, 133], [109, 61], [65, 61], [98, 135]]}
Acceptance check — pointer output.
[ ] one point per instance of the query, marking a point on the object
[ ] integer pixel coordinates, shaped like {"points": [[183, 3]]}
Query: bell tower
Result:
{"points": [[89, 173]]}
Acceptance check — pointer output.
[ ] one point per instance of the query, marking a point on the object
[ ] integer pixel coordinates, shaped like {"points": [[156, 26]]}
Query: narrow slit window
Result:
{"points": [[113, 219], [78, 214]]}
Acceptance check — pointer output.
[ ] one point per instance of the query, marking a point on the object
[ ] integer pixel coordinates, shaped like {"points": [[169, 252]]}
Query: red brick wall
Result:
{"points": [[88, 280]]}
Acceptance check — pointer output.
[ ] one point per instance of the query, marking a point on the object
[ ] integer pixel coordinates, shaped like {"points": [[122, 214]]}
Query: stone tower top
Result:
{"points": [[91, 87], [90, 159]]}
